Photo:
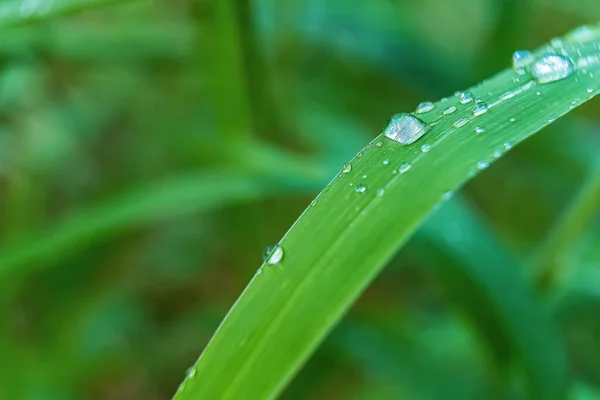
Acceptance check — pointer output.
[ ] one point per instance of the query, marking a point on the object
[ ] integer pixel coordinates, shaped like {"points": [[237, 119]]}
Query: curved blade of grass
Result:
{"points": [[341, 242], [485, 283], [156, 202]]}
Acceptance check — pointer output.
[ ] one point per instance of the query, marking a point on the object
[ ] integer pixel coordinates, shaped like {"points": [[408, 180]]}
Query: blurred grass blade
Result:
{"points": [[549, 261], [484, 282], [288, 308], [156, 202], [17, 12]]}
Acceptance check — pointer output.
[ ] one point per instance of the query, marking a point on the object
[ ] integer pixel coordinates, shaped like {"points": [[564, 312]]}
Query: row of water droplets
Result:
{"points": [[554, 65], [557, 63]]}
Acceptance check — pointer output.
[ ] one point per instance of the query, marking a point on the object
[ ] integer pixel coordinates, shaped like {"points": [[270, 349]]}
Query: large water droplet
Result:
{"points": [[479, 109], [404, 167], [424, 107], [552, 68], [360, 189], [466, 98], [405, 128], [274, 254], [521, 59]]}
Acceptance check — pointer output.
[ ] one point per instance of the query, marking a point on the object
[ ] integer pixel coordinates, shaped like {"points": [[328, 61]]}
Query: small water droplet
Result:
{"points": [[259, 271], [538, 93], [590, 90], [479, 130], [347, 168], [191, 373], [449, 110], [460, 122], [359, 154], [425, 148], [479, 109], [424, 107], [274, 254], [508, 145], [466, 98], [314, 202], [360, 189], [444, 99], [521, 59], [552, 68], [380, 192], [507, 95], [386, 161], [405, 128], [556, 43], [482, 165], [552, 119], [364, 176], [513, 119], [404, 167], [378, 144], [497, 154], [447, 195]]}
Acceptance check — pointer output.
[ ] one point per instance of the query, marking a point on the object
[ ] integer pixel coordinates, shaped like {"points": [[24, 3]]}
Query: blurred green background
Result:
{"points": [[151, 150]]}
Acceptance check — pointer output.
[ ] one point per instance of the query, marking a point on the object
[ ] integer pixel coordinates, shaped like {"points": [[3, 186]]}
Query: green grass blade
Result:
{"points": [[18, 12], [141, 207], [485, 283], [288, 308]]}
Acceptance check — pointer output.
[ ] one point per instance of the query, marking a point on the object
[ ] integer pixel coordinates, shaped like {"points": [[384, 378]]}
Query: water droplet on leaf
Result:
{"points": [[482, 165], [346, 168], [466, 98], [552, 68], [479, 109], [449, 110], [479, 130], [425, 148], [424, 107], [360, 189], [404, 167], [274, 254], [405, 128]]}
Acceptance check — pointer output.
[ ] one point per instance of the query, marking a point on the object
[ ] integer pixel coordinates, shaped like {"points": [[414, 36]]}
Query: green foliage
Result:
{"points": [[150, 151]]}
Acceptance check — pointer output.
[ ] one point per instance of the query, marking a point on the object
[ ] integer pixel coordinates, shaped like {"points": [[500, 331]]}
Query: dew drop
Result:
{"points": [[538, 93], [380, 192], [479, 130], [404, 167], [551, 119], [482, 165], [364, 176], [378, 144], [497, 154], [466, 98], [360, 189], [274, 254], [449, 110], [513, 119], [191, 373], [590, 90], [507, 95], [521, 59], [508, 145], [552, 68], [424, 107], [479, 109], [460, 122], [386, 161], [347, 168], [405, 128], [425, 148], [447, 195], [359, 154]]}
